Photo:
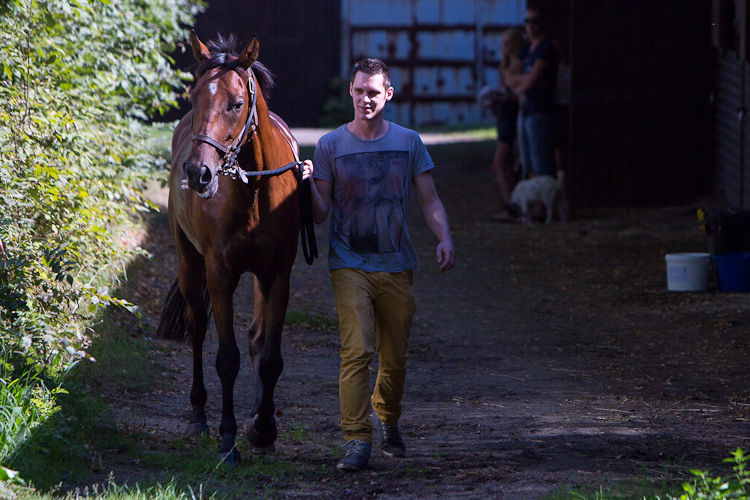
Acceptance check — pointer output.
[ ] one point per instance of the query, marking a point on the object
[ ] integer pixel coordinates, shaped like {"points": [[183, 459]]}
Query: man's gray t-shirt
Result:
{"points": [[372, 181]]}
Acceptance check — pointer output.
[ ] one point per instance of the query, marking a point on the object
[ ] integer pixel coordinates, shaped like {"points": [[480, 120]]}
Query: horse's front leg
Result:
{"points": [[267, 360], [191, 278], [221, 286]]}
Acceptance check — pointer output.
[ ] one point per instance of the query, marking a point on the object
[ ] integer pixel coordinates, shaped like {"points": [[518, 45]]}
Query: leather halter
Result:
{"points": [[230, 166]]}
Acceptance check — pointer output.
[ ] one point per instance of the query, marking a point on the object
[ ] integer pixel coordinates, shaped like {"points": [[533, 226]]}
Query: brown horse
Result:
{"points": [[227, 218]]}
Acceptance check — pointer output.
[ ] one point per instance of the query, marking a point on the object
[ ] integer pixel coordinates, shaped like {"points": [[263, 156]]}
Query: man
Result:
{"points": [[536, 85], [364, 172]]}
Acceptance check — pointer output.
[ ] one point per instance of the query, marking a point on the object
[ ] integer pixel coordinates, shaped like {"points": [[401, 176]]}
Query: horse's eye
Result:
{"points": [[238, 106]]}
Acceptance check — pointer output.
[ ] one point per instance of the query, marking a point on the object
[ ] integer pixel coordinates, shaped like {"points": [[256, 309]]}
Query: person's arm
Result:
{"points": [[522, 82], [321, 193], [437, 219], [515, 66]]}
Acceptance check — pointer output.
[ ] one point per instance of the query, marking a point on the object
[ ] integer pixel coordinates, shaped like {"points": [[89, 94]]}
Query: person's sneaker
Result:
{"points": [[391, 443], [357, 455]]}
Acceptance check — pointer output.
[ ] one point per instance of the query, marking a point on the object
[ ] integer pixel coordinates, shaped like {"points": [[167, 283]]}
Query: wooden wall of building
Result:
{"points": [[300, 43], [640, 117]]}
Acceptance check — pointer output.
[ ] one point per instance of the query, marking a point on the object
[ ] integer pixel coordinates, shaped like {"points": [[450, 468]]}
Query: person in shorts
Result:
{"points": [[505, 109]]}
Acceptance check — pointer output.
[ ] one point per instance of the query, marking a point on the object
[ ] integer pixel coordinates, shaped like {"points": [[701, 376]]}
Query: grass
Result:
{"points": [[126, 360], [83, 440], [298, 433], [113, 491], [488, 132], [702, 486], [463, 153], [631, 490], [301, 319], [159, 137], [69, 446]]}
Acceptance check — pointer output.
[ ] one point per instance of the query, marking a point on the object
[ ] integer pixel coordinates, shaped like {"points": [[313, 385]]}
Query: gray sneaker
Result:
{"points": [[357, 455], [391, 443]]}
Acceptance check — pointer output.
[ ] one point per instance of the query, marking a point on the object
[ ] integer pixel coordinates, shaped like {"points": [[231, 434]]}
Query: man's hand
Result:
{"points": [[307, 169], [446, 255]]}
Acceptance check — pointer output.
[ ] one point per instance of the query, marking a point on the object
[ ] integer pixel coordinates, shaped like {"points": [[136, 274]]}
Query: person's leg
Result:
{"points": [[394, 309], [353, 292], [540, 128], [502, 162], [524, 145], [502, 166]]}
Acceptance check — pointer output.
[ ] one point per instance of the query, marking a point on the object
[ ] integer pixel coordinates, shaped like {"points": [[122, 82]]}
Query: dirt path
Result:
{"points": [[550, 356]]}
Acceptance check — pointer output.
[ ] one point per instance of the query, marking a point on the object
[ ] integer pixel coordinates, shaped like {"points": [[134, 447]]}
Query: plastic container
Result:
{"points": [[734, 271], [687, 272]]}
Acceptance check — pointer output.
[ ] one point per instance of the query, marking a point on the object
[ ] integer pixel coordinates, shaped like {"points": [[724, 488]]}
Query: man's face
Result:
{"points": [[369, 95], [532, 23]]}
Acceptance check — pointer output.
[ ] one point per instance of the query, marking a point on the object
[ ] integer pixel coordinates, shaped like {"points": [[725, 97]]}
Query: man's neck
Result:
{"points": [[368, 130], [536, 40]]}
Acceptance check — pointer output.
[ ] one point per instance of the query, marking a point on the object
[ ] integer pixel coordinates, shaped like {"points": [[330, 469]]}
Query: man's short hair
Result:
{"points": [[538, 8], [372, 66]]}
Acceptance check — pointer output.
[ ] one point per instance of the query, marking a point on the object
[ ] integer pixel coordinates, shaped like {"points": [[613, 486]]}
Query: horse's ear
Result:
{"points": [[200, 51], [250, 54]]}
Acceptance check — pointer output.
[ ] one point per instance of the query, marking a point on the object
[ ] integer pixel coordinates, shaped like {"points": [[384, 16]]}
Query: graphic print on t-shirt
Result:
{"points": [[371, 189]]}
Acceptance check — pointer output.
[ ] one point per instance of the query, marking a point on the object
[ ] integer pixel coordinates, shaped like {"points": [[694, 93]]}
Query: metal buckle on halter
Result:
{"points": [[231, 167]]}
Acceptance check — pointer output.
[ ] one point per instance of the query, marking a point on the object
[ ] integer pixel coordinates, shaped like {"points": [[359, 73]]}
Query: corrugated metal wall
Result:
{"points": [[440, 53]]}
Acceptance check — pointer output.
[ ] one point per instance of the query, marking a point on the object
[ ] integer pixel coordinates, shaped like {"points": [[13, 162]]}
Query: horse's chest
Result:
{"points": [[246, 250]]}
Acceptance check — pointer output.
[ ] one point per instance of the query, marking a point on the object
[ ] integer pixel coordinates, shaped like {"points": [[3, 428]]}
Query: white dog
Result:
{"points": [[543, 189]]}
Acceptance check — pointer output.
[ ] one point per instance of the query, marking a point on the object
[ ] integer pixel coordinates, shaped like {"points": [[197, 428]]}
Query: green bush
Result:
{"points": [[705, 487], [338, 108], [77, 80]]}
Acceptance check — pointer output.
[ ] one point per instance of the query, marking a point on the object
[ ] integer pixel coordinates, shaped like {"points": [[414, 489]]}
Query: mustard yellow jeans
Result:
{"points": [[375, 313]]}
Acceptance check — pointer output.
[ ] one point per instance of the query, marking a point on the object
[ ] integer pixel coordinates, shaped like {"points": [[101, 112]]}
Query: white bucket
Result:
{"points": [[687, 272]]}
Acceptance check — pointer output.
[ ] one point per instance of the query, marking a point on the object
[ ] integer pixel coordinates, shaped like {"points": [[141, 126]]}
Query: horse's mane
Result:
{"points": [[223, 52]]}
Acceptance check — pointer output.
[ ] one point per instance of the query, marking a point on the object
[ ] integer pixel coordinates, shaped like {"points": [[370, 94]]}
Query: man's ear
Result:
{"points": [[389, 94], [351, 89], [200, 51], [250, 54]]}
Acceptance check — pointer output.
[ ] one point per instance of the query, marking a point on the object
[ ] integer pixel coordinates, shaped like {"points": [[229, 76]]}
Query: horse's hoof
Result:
{"points": [[196, 429], [262, 440], [232, 458], [263, 451]]}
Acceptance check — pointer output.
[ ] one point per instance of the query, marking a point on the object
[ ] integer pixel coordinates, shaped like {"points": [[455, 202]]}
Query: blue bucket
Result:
{"points": [[734, 271]]}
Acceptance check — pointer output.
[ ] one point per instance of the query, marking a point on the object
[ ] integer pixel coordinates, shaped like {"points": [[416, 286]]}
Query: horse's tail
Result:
{"points": [[172, 322]]}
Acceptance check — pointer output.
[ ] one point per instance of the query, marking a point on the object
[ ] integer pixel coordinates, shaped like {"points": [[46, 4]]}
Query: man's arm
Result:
{"points": [[321, 194], [522, 82], [514, 68], [437, 219]]}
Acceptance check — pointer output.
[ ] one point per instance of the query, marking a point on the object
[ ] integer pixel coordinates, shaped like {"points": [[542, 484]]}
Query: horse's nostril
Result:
{"points": [[205, 175]]}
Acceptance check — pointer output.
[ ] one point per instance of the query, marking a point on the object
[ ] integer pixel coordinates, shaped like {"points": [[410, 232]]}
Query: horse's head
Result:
{"points": [[222, 110]]}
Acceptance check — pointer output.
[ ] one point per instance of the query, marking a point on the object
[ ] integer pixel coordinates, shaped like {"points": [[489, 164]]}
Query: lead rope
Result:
{"points": [[307, 229]]}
